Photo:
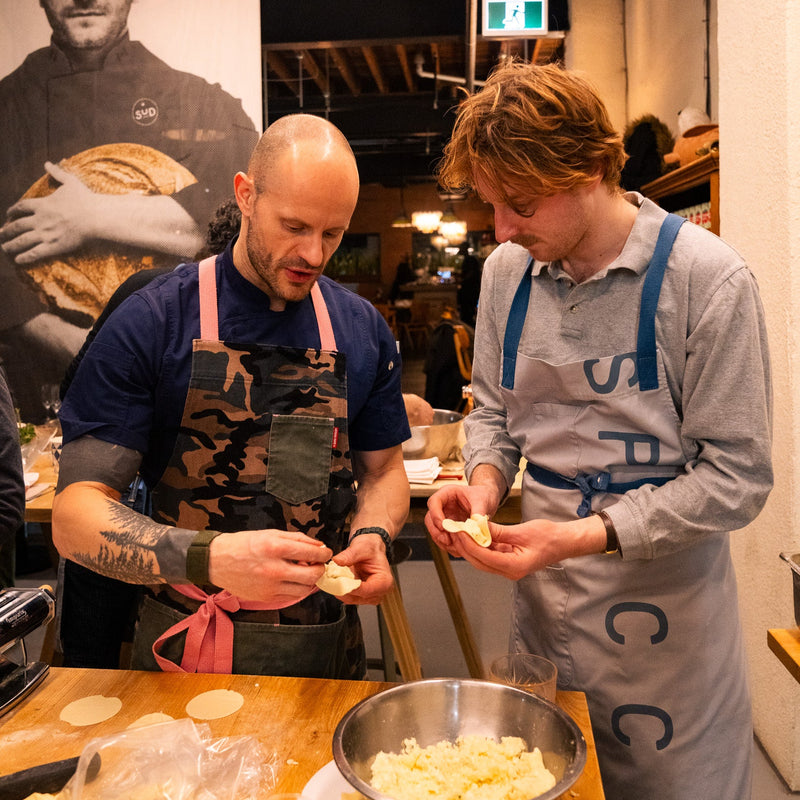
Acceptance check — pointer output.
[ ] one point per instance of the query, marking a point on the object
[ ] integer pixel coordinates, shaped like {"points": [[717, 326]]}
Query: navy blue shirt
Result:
{"points": [[131, 385]]}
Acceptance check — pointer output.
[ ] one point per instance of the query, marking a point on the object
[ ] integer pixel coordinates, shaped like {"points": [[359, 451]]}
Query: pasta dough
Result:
{"points": [[338, 580], [90, 710], [214, 704], [477, 526]]}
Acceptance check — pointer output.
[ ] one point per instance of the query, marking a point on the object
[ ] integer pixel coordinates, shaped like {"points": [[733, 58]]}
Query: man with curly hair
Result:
{"points": [[623, 355]]}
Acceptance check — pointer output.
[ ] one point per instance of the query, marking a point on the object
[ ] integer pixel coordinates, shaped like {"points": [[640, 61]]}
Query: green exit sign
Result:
{"points": [[517, 18]]}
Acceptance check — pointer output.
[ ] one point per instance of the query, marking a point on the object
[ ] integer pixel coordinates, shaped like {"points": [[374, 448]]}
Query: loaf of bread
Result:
{"points": [[78, 285]]}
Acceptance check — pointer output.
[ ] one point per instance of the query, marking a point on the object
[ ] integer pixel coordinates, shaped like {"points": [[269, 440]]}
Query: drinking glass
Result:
{"points": [[527, 671]]}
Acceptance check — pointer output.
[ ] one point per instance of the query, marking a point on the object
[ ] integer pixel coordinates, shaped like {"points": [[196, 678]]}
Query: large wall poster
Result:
{"points": [[116, 147]]}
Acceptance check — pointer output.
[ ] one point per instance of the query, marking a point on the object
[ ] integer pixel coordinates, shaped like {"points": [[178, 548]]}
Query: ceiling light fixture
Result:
{"points": [[426, 221], [455, 232], [449, 215], [402, 220]]}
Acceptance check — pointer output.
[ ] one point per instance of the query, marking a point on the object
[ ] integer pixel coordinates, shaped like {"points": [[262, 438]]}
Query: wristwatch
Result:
{"points": [[612, 542], [383, 533], [197, 558]]}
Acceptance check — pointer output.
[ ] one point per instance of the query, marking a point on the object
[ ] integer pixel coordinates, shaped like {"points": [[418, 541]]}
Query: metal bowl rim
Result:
{"points": [[571, 773], [457, 417]]}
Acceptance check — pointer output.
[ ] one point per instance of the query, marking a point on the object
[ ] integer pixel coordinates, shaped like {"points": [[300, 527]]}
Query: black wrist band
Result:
{"points": [[382, 532], [197, 558], [612, 542]]}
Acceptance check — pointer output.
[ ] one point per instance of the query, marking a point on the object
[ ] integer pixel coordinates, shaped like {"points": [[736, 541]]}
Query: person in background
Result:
{"points": [[94, 86], [251, 393], [12, 484], [622, 352], [469, 285], [403, 276]]}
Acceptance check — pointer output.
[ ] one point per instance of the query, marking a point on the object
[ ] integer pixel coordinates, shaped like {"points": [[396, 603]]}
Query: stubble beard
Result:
{"points": [[268, 271]]}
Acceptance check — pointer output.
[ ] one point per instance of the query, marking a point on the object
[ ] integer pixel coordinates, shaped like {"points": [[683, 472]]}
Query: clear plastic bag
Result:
{"points": [[174, 760]]}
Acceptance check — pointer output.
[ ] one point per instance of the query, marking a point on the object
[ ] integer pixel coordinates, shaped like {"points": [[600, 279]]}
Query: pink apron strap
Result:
{"points": [[209, 320], [326, 338]]}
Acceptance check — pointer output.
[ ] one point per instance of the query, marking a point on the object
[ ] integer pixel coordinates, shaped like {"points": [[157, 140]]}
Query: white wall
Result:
{"points": [[596, 45], [754, 65], [759, 102]]}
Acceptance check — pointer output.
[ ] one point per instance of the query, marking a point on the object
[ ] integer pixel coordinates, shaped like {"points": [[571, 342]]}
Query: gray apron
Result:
{"points": [[656, 645], [263, 443]]}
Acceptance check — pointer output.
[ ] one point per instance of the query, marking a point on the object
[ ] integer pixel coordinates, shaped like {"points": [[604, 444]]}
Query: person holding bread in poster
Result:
{"points": [[112, 161], [251, 394], [622, 353]]}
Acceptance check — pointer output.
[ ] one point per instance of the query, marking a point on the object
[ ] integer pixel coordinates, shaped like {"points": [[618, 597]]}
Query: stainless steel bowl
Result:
{"points": [[794, 563], [443, 438], [435, 710]]}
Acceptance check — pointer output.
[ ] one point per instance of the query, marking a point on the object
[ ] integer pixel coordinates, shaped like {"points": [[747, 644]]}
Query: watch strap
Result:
{"points": [[612, 540], [197, 557], [383, 533]]}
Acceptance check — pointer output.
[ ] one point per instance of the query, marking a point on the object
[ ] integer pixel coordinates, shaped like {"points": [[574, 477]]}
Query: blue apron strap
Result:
{"points": [[647, 364], [590, 484], [516, 321]]}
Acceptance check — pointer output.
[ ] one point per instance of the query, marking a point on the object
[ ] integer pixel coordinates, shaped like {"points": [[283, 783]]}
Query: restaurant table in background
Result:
{"points": [[293, 718], [40, 508]]}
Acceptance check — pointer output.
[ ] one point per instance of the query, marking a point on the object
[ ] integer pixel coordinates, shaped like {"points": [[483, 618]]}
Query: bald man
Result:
{"points": [[251, 394]]}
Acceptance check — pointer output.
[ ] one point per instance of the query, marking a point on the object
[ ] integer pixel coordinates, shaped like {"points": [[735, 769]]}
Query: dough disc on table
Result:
{"points": [[90, 710], [214, 704]]}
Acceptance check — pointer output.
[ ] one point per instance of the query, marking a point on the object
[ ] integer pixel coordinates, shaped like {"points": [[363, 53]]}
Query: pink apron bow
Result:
{"points": [[209, 632]]}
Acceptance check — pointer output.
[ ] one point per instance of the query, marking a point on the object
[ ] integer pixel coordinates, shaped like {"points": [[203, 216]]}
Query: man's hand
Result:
{"points": [[516, 550], [457, 503], [277, 568], [366, 556]]}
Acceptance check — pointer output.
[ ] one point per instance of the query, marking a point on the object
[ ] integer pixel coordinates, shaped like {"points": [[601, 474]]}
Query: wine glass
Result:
{"points": [[51, 399]]}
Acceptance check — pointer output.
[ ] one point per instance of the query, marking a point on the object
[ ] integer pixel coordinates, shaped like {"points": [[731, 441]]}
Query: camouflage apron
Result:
{"points": [[263, 443], [655, 644]]}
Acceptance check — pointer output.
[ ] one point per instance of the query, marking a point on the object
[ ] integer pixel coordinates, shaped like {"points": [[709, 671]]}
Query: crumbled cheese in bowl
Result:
{"points": [[472, 768]]}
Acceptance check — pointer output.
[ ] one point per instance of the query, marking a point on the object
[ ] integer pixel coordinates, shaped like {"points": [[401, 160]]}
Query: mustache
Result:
{"points": [[298, 264]]}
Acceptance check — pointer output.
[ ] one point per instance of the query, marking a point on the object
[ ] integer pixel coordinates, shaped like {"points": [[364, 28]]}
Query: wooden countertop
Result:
{"points": [[40, 508], [293, 717], [785, 643]]}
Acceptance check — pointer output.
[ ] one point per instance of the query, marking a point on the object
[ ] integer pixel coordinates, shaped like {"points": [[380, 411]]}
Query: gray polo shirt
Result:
{"points": [[711, 334]]}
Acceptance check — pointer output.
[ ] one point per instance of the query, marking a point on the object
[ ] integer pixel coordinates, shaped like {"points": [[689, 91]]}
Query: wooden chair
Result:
{"points": [[389, 313], [463, 356], [417, 328]]}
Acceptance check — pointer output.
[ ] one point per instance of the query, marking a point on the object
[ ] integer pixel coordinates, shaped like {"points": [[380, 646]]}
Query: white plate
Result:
{"points": [[326, 784], [30, 479]]}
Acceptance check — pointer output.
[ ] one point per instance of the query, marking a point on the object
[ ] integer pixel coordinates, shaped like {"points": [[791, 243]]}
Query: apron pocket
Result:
{"points": [[302, 651], [299, 461]]}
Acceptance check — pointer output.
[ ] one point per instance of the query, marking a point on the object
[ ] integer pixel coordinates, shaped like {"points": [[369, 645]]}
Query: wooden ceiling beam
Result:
{"points": [[342, 62], [278, 65], [402, 55], [313, 70], [375, 69]]}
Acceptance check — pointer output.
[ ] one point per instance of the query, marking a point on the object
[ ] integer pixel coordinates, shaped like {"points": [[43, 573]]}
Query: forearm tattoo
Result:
{"points": [[136, 549]]}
